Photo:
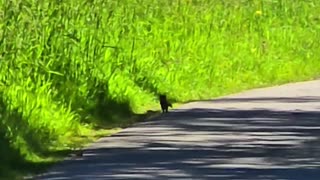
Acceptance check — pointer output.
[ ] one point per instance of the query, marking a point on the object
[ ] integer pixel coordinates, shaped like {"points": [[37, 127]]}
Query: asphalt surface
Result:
{"points": [[269, 133]]}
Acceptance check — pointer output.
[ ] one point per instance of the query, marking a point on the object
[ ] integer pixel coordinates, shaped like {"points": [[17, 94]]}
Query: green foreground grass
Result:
{"points": [[69, 67]]}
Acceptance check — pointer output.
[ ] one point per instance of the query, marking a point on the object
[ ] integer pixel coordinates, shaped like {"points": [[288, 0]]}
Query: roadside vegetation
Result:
{"points": [[70, 68]]}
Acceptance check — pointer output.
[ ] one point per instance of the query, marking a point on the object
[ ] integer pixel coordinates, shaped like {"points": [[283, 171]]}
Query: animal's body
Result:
{"points": [[164, 103], [76, 153]]}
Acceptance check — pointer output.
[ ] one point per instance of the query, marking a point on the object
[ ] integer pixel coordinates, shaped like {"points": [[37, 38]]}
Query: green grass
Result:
{"points": [[67, 67]]}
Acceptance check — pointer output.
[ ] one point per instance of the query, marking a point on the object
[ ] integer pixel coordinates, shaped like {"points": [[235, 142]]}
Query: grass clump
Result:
{"points": [[66, 66]]}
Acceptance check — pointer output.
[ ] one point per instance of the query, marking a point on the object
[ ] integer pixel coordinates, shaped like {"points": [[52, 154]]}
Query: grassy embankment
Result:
{"points": [[67, 66]]}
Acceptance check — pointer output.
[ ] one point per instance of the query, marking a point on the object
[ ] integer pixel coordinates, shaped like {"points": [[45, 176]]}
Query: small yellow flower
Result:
{"points": [[258, 13]]}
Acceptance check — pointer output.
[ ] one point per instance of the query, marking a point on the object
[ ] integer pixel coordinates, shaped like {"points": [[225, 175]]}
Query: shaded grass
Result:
{"points": [[14, 166], [68, 68]]}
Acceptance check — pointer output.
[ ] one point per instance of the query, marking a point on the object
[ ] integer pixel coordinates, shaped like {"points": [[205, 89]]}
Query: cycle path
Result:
{"points": [[267, 133]]}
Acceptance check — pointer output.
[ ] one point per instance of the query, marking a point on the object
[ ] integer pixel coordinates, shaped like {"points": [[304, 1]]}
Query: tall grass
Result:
{"points": [[63, 62]]}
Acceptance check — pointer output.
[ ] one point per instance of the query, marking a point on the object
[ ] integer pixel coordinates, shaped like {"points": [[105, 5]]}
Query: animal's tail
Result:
{"points": [[170, 105]]}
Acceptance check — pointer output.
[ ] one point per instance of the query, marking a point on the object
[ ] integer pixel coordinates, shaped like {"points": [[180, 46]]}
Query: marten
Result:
{"points": [[164, 103]]}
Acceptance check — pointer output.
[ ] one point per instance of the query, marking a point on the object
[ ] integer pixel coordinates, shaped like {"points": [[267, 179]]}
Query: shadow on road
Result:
{"points": [[207, 144], [304, 99]]}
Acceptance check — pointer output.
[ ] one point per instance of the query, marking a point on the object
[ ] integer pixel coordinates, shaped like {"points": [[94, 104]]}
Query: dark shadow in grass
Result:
{"points": [[13, 164], [105, 110], [147, 85], [12, 161], [207, 144], [105, 113], [8, 156], [109, 113]]}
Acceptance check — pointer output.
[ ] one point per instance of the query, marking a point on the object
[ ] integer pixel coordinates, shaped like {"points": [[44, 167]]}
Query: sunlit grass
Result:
{"points": [[64, 64]]}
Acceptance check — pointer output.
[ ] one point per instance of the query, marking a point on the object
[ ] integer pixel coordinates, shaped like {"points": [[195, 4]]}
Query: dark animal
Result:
{"points": [[164, 103], [76, 153]]}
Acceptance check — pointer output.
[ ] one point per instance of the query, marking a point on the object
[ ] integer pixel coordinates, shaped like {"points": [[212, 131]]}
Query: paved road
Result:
{"points": [[269, 133]]}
